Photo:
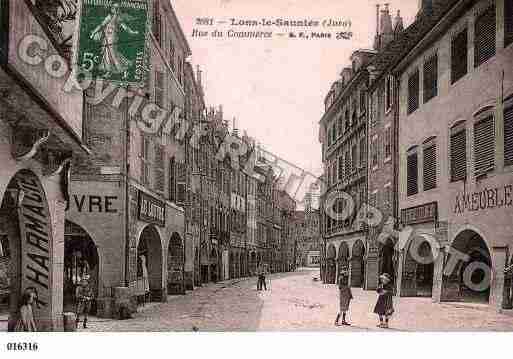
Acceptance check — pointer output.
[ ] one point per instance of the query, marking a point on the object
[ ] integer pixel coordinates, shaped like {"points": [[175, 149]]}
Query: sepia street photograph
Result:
{"points": [[240, 166]]}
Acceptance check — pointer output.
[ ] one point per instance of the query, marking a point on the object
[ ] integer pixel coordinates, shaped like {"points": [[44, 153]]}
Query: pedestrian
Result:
{"points": [[84, 296], [384, 306], [261, 278], [345, 296], [25, 321]]}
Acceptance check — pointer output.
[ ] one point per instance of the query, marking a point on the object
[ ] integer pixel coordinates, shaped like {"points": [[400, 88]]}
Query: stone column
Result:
{"points": [[497, 283], [438, 275]]}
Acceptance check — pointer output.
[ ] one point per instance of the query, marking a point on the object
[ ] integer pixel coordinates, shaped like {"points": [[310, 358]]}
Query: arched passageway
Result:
{"points": [[81, 261], [418, 269], [175, 263], [149, 265], [331, 266], [358, 265], [469, 280], [214, 275]]}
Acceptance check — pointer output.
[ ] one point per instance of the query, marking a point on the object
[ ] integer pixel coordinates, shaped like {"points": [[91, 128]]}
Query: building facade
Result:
{"points": [[40, 132], [455, 179]]}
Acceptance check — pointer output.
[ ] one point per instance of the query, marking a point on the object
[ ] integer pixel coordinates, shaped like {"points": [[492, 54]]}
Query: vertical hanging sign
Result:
{"points": [[36, 249], [112, 40]]}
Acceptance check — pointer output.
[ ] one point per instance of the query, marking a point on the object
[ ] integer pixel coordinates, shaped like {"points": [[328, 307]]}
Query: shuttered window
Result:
{"points": [[347, 163], [388, 143], [413, 92], [145, 159], [459, 56], [181, 189], [354, 157], [484, 146], [458, 153], [429, 166], [484, 41], [159, 88], [412, 173], [363, 154], [388, 92], [508, 22], [508, 136], [172, 180], [157, 23], [430, 78], [340, 168], [159, 168]]}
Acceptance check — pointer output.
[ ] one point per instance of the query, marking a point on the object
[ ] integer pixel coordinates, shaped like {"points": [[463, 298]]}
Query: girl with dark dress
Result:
{"points": [[384, 306]]}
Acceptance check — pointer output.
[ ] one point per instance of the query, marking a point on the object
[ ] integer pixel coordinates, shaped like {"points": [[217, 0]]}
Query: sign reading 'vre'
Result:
{"points": [[151, 210]]}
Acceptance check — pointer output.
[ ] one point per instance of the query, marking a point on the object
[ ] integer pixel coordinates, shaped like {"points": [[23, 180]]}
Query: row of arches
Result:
{"points": [[342, 261], [467, 279]]}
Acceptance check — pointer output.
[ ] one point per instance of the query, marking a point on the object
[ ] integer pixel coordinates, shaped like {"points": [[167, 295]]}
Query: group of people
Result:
{"points": [[26, 323], [384, 307]]}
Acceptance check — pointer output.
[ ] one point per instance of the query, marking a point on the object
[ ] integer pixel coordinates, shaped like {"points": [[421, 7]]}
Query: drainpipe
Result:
{"points": [[127, 198]]}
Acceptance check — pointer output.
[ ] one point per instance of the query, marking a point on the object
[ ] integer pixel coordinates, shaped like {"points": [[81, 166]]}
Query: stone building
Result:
{"points": [[343, 134], [125, 221], [455, 154], [40, 132]]}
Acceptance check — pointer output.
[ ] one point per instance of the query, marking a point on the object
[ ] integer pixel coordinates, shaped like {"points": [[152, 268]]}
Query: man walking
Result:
{"points": [[261, 278], [84, 297]]}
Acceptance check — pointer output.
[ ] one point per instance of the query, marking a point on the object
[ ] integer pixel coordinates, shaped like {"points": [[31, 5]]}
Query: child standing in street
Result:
{"points": [[384, 306], [345, 296]]}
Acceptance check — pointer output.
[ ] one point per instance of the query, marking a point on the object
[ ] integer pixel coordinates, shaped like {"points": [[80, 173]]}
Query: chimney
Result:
{"points": [[376, 38]]}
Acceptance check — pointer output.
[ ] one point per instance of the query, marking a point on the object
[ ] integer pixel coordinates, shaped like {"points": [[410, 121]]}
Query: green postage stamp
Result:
{"points": [[112, 39]]}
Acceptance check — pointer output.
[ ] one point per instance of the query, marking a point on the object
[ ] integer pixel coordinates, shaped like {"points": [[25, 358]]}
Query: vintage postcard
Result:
{"points": [[255, 166]]}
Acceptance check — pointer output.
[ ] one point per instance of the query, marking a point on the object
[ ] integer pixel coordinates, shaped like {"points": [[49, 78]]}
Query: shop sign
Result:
{"points": [[36, 239], [419, 214], [112, 39], [151, 210], [488, 198]]}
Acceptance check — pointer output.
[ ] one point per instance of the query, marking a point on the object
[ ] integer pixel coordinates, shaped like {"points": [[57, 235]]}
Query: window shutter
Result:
{"points": [[157, 22], [458, 153], [429, 156], [484, 146], [508, 22], [508, 136], [431, 78], [459, 56], [354, 157], [340, 168], [484, 42], [413, 92], [159, 88], [172, 180], [159, 168], [181, 183], [347, 164], [412, 174], [363, 155]]}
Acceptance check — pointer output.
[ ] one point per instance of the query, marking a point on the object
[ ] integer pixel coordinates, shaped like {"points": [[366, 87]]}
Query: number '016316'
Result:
{"points": [[22, 346]]}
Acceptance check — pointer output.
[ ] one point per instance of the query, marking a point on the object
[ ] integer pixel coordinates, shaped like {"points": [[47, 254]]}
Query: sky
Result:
{"points": [[275, 88]]}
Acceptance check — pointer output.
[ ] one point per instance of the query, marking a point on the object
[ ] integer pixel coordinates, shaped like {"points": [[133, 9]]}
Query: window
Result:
{"points": [[508, 136], [458, 152], [329, 137], [374, 153], [459, 56], [388, 143], [429, 165], [354, 155], [484, 41], [340, 126], [363, 156], [362, 101], [157, 23], [172, 179], [508, 22], [388, 92], [159, 88], [334, 132], [347, 163], [172, 54], [181, 190], [159, 168], [484, 146], [372, 114], [412, 172], [413, 92], [340, 168], [145, 159], [431, 78]]}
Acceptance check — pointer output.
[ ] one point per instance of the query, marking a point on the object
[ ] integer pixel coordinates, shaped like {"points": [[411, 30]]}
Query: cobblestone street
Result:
{"points": [[294, 301]]}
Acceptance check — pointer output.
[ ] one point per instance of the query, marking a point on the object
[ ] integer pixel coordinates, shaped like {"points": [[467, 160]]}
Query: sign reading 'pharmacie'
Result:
{"points": [[36, 245], [488, 198], [419, 214], [112, 39], [151, 210]]}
